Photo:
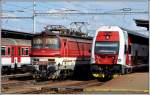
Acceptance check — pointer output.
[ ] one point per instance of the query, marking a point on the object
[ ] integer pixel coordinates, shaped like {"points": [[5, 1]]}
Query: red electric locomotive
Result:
{"points": [[58, 50]]}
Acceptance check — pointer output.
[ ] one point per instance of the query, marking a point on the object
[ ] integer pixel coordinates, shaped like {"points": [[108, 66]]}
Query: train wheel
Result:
{"points": [[39, 76], [128, 70]]}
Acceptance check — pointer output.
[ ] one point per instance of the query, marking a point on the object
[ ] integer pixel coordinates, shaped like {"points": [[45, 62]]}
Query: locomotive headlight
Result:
{"points": [[119, 60], [107, 37]]}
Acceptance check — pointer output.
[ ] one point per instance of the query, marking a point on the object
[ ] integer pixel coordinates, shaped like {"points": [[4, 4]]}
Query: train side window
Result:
{"points": [[8, 50], [26, 51], [19, 51], [129, 49], [3, 51], [22, 51], [12, 51]]}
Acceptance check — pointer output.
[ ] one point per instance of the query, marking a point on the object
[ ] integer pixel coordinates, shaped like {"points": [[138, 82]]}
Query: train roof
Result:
{"points": [[63, 35], [117, 28], [16, 34]]}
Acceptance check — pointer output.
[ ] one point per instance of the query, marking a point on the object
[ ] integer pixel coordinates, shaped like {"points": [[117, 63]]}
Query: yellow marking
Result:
{"points": [[116, 75], [125, 90], [146, 90], [98, 75]]}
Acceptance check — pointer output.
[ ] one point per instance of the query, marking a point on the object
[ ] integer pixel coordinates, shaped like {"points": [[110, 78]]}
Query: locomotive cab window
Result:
{"points": [[52, 42], [37, 43], [3, 50], [106, 47]]}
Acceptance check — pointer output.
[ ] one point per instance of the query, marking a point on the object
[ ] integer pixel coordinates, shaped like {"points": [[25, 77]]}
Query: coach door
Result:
{"points": [[15, 55]]}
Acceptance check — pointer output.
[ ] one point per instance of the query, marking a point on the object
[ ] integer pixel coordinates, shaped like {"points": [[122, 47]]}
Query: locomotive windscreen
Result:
{"points": [[37, 43], [47, 42], [106, 47], [52, 43]]}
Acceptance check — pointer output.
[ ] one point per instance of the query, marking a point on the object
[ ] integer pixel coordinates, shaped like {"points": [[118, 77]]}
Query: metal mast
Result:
{"points": [[34, 5]]}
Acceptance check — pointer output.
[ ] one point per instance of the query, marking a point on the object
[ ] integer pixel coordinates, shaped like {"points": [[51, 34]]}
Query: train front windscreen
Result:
{"points": [[106, 47], [48, 42]]}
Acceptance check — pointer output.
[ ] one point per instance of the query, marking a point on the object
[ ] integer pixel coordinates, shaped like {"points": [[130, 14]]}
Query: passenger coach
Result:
{"points": [[15, 50]]}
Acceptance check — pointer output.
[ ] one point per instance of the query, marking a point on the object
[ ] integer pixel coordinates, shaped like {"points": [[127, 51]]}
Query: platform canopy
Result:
{"points": [[16, 34], [142, 23]]}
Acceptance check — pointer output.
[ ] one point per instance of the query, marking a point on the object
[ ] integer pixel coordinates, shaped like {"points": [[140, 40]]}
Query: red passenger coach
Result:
{"points": [[118, 50], [56, 51], [15, 50]]}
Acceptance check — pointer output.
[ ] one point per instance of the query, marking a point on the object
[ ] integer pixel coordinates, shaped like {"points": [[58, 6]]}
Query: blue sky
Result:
{"points": [[94, 21]]}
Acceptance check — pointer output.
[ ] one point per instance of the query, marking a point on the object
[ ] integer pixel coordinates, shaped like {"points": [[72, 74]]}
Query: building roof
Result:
{"points": [[16, 34], [142, 23]]}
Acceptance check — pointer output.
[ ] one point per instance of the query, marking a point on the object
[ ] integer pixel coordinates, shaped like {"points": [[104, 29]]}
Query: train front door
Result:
{"points": [[15, 57]]}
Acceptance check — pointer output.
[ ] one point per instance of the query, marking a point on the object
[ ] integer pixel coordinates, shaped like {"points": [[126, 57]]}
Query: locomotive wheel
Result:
{"points": [[39, 76]]}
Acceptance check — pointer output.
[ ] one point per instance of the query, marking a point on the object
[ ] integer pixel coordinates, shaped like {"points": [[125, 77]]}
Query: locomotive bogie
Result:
{"points": [[56, 67]]}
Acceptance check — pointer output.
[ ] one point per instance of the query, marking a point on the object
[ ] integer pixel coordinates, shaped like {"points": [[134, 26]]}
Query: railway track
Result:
{"points": [[13, 76], [66, 87], [48, 87]]}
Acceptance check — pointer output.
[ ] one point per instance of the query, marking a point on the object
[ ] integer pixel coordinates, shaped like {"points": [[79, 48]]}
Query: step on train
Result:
{"points": [[57, 52], [116, 50]]}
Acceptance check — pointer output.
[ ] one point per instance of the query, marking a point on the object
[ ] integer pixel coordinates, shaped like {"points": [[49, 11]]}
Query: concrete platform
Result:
{"points": [[130, 83]]}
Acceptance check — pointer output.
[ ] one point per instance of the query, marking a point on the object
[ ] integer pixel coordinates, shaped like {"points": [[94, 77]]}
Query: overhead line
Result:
{"points": [[79, 13], [16, 17]]}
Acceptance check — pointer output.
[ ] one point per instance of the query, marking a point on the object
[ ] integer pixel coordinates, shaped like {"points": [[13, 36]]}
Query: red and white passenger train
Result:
{"points": [[56, 52], [117, 50], [15, 51]]}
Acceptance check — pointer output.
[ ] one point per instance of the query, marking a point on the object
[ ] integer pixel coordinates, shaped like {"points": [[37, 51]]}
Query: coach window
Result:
{"points": [[3, 50], [26, 51], [19, 51], [22, 51], [12, 51], [8, 50]]}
